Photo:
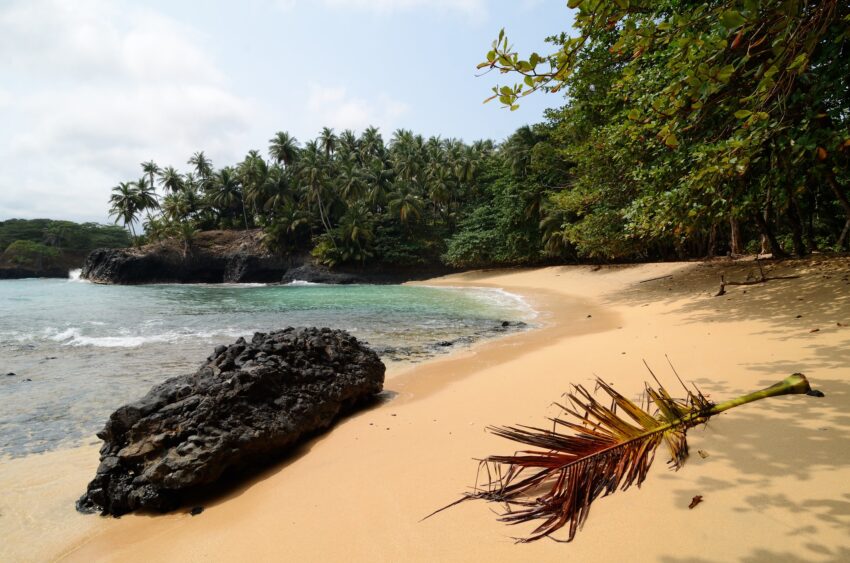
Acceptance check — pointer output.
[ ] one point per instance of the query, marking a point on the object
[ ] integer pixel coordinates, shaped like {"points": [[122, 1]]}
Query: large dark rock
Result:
{"points": [[233, 256], [248, 404], [211, 257]]}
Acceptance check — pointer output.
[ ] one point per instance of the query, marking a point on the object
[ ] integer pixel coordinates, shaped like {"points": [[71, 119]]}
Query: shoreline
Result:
{"points": [[775, 480]]}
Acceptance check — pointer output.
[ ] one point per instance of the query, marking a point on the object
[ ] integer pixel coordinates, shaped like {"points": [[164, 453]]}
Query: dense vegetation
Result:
{"points": [[44, 243], [695, 127], [689, 129]]}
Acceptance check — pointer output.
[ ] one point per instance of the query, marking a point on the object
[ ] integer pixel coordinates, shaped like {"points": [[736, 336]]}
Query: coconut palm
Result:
{"points": [[170, 179], [348, 143], [226, 192], [313, 172], [597, 447], [349, 179], [405, 203], [355, 233], [145, 195], [371, 145], [203, 166], [123, 205], [377, 178], [283, 148], [151, 169], [253, 172], [328, 141]]}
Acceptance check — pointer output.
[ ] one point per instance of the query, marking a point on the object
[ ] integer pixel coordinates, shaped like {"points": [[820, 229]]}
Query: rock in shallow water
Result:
{"points": [[250, 402]]}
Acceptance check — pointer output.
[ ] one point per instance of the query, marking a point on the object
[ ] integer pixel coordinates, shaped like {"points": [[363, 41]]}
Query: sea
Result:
{"points": [[71, 351]]}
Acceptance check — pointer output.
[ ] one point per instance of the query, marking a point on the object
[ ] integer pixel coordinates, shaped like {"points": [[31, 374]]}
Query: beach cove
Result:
{"points": [[360, 491]]}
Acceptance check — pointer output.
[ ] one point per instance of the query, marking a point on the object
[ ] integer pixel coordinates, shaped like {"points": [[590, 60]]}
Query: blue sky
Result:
{"points": [[94, 87]]}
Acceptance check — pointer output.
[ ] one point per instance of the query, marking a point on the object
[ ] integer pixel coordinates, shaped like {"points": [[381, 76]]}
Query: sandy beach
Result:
{"points": [[775, 482]]}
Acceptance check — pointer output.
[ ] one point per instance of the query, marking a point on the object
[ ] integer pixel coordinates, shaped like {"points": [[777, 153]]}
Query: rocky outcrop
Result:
{"points": [[211, 257], [246, 405], [231, 257]]}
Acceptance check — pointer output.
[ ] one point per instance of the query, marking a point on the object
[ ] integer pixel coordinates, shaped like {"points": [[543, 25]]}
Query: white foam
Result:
{"points": [[74, 276], [302, 282], [74, 337]]}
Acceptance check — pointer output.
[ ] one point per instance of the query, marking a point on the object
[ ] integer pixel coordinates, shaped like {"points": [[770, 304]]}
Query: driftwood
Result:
{"points": [[750, 280]]}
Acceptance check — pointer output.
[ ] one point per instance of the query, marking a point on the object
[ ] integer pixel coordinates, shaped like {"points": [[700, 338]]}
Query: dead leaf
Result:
{"points": [[815, 330], [702, 453], [695, 501]]}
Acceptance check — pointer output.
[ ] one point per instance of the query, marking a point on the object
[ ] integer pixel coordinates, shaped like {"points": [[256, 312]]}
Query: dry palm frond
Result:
{"points": [[600, 452]]}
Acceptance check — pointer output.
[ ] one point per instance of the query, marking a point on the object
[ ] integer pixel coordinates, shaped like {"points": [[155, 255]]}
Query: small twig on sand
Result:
{"points": [[658, 278]]}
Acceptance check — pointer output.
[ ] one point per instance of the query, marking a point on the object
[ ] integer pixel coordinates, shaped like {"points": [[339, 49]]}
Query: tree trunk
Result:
{"points": [[840, 243], [796, 223], [734, 236], [712, 242], [767, 235], [839, 192]]}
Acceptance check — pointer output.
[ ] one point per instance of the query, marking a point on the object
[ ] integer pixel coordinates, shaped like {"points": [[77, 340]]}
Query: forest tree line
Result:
{"points": [[689, 129]]}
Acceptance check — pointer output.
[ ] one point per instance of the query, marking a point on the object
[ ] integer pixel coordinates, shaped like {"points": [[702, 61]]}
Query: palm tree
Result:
{"points": [[123, 205], [406, 204], [314, 175], [355, 228], [151, 169], [328, 141], [283, 148], [348, 143], [350, 180], [170, 179], [226, 191], [371, 145], [276, 190], [377, 178], [253, 172], [203, 166], [145, 195], [517, 150]]}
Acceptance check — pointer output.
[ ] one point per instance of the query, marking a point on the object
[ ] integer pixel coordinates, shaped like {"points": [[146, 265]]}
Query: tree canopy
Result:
{"points": [[682, 116], [688, 129]]}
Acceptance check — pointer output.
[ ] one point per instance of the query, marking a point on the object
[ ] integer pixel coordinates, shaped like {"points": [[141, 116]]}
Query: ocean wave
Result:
{"points": [[495, 296], [74, 337]]}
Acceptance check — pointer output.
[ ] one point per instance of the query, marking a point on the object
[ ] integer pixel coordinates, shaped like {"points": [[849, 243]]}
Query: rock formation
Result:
{"points": [[246, 405]]}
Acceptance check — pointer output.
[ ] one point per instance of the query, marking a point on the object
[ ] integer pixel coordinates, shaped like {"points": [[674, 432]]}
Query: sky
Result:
{"points": [[92, 88]]}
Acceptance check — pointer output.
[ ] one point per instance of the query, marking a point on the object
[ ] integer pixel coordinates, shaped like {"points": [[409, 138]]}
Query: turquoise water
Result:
{"points": [[79, 350]]}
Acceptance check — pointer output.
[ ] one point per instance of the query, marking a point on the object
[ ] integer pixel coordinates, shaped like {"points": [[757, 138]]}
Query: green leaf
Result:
{"points": [[732, 19], [743, 113]]}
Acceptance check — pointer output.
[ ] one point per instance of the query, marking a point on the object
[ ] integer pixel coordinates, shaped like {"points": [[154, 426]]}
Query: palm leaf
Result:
{"points": [[594, 450]]}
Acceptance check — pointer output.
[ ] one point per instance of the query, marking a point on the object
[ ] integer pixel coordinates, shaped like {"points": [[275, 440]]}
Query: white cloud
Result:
{"points": [[97, 87], [334, 107]]}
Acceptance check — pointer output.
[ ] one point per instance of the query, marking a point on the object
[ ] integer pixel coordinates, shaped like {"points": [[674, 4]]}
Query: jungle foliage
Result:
{"points": [[43, 243], [689, 129]]}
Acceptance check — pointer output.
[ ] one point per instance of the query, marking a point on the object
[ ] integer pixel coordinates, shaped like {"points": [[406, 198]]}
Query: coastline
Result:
{"points": [[775, 480]]}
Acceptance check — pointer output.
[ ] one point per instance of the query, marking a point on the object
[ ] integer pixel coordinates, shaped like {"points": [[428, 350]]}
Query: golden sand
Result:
{"points": [[776, 482]]}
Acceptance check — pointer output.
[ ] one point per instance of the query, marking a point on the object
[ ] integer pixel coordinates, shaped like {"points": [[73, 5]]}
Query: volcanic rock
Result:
{"points": [[246, 405]]}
